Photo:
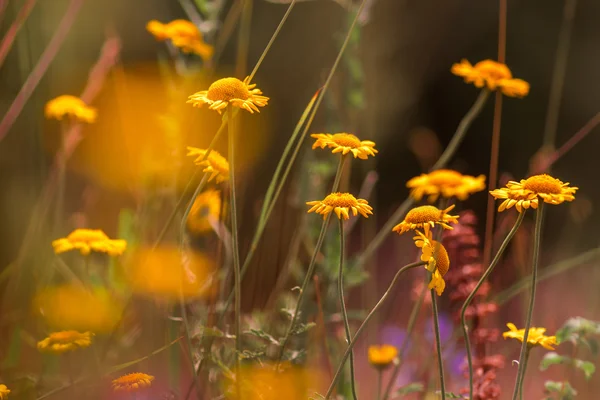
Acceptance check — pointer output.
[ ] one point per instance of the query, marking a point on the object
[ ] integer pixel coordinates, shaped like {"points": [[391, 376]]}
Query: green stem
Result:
{"points": [[485, 275], [524, 371], [311, 266], [61, 180], [458, 137], [234, 245], [366, 321], [343, 307], [411, 325], [438, 343], [536, 255]]}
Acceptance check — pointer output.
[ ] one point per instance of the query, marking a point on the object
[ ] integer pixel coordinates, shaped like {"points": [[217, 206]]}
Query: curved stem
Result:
{"points": [[485, 275], [343, 307], [438, 343], [366, 321], [524, 370], [458, 137], [311, 265], [536, 256]]}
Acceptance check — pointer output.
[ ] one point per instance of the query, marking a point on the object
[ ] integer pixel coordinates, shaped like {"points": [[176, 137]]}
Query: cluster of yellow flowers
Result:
{"points": [[183, 35]]}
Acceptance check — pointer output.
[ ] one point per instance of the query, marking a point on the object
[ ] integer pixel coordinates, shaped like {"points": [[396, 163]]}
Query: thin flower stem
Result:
{"points": [[524, 370], [343, 307], [61, 161], [458, 137], [411, 325], [188, 209], [366, 321], [272, 40], [244, 38], [234, 246], [537, 238], [311, 267], [11, 34], [488, 271], [438, 343], [379, 382]]}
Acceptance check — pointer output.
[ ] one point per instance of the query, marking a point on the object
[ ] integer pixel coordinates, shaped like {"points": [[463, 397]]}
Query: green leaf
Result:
{"points": [[587, 367], [252, 354], [212, 331], [563, 389], [262, 335], [408, 389], [553, 358], [301, 328]]}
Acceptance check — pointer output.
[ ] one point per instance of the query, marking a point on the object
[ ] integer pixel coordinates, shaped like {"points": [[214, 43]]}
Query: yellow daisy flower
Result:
{"points": [[216, 164], [345, 143], [207, 204], [70, 106], [526, 193], [131, 382], [493, 75], [438, 262], [382, 356], [445, 182], [230, 91], [341, 204], [536, 336], [426, 217], [183, 34], [4, 392], [87, 240], [60, 342]]}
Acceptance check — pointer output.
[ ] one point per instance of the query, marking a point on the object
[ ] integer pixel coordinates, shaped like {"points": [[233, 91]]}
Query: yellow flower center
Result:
{"points": [[346, 140], [132, 378], [445, 177], [423, 214], [441, 257], [63, 337], [493, 69], [543, 184], [227, 89], [340, 200]]}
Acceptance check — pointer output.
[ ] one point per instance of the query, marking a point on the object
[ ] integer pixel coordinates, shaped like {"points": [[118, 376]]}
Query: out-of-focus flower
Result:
{"points": [[341, 204], [525, 194], [72, 307], [493, 75], [536, 336], [215, 164], [345, 143], [232, 91], [183, 34], [265, 383], [438, 263], [132, 382], [87, 240], [426, 217], [60, 342], [4, 392], [382, 356], [207, 205], [445, 182], [165, 273], [70, 106]]}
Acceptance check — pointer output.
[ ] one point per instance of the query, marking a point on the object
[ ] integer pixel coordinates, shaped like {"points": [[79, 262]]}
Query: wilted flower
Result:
{"points": [[438, 262], [341, 204], [345, 143], [215, 164], [232, 91], [60, 342], [70, 106], [132, 382]]}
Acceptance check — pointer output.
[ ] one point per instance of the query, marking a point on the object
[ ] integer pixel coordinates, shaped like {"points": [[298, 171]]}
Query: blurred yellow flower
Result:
{"points": [[382, 356], [60, 342], [132, 382], [87, 240], [536, 336], [70, 106], [264, 383], [345, 143], [426, 217], [215, 164], [438, 262], [493, 75], [445, 182], [72, 307], [183, 34], [165, 272], [341, 204], [207, 205], [4, 392], [526, 193], [232, 91]]}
